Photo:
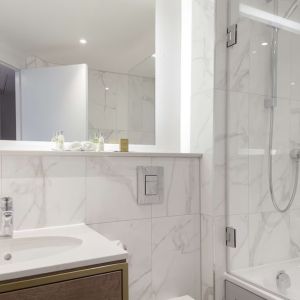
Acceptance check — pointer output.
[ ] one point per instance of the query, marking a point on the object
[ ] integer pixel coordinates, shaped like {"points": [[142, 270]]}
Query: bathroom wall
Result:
{"points": [[120, 105], [208, 136], [163, 240], [260, 228]]}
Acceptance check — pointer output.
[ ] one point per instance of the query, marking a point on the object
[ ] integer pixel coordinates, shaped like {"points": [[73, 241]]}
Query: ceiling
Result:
{"points": [[120, 33]]}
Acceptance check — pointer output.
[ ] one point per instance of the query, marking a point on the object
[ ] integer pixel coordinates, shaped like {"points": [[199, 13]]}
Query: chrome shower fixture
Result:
{"points": [[271, 105]]}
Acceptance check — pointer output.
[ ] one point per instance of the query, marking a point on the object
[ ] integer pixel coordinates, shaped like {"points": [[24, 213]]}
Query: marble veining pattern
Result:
{"points": [[260, 227], [163, 240], [119, 106]]}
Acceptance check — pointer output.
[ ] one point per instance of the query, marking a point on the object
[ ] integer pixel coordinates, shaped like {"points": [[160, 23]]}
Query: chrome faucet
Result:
{"points": [[6, 217]]}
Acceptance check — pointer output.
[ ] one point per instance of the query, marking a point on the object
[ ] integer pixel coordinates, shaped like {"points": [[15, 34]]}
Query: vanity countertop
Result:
{"points": [[44, 149], [52, 249]]}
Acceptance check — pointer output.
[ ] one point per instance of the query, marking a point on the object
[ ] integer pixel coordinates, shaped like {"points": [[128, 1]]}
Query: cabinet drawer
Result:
{"points": [[234, 292], [100, 282], [104, 286]]}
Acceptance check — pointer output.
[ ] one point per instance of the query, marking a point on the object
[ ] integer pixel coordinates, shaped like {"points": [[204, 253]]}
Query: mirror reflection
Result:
{"points": [[77, 66]]}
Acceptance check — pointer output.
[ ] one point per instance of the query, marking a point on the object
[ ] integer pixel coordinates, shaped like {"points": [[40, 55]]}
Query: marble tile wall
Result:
{"points": [[208, 123], [120, 105], [163, 240], [260, 227]]}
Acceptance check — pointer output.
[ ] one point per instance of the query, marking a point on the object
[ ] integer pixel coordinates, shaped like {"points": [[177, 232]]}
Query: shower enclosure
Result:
{"points": [[263, 194]]}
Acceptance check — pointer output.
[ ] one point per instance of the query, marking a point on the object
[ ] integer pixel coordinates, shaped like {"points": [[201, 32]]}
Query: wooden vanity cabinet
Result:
{"points": [[108, 282]]}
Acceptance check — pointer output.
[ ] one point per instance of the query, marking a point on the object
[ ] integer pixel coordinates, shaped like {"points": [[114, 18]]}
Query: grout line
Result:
{"points": [[142, 219]]}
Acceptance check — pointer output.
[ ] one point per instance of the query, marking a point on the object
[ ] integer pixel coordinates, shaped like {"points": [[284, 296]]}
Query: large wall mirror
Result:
{"points": [[80, 66]]}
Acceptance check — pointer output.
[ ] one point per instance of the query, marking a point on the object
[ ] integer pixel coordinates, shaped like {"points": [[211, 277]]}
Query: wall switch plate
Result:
{"points": [[150, 185]]}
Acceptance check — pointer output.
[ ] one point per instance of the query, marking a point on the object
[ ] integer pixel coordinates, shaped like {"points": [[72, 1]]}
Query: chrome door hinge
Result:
{"points": [[231, 35], [230, 237]]}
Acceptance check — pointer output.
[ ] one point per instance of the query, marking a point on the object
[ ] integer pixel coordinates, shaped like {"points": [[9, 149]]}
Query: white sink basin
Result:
{"points": [[52, 249], [27, 249]]}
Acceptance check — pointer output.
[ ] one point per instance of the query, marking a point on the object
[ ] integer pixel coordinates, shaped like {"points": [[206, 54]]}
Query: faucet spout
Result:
{"points": [[6, 217]]}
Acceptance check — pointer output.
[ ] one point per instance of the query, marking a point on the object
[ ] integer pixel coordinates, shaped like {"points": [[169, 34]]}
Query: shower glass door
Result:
{"points": [[263, 112]]}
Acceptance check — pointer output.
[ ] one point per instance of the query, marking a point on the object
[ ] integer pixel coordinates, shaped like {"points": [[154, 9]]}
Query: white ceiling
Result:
{"points": [[120, 33]]}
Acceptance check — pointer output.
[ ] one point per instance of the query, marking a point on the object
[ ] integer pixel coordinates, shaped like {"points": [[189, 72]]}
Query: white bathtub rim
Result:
{"points": [[257, 290]]}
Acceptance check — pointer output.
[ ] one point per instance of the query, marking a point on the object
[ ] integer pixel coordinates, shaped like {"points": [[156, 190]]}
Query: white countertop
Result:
{"points": [[44, 148], [55, 249]]}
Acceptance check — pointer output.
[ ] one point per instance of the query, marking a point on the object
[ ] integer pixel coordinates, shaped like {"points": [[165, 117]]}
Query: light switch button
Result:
{"points": [[151, 185]]}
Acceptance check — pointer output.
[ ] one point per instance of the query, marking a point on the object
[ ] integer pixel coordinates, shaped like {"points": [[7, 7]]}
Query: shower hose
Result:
{"points": [[270, 165]]}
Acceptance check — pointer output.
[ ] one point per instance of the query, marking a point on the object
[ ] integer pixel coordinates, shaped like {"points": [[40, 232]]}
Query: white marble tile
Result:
{"points": [[294, 123], [239, 58], [267, 231], [141, 103], [181, 187], [294, 233], [202, 46], [285, 62], [47, 191], [36, 62], [295, 69], [260, 59], [141, 137], [112, 189], [220, 264], [122, 106], [202, 106], [237, 158], [221, 21], [64, 190], [219, 154], [108, 100], [175, 256], [136, 236], [239, 256], [22, 179], [207, 257]]}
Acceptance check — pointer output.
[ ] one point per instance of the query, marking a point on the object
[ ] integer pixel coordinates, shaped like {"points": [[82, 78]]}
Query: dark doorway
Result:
{"points": [[7, 103]]}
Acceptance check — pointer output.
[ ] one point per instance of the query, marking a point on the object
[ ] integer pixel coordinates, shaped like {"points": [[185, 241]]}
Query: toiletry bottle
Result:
{"points": [[60, 141], [124, 145], [100, 143], [54, 140]]}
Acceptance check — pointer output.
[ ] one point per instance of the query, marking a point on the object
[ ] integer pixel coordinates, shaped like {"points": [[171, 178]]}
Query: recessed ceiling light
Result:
{"points": [[83, 41], [293, 83], [153, 55], [264, 44], [107, 88]]}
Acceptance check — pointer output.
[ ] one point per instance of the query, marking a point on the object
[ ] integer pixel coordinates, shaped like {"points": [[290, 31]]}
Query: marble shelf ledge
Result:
{"points": [[44, 149]]}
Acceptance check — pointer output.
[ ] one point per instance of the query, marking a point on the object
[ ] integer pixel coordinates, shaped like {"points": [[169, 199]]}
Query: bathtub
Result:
{"points": [[262, 280]]}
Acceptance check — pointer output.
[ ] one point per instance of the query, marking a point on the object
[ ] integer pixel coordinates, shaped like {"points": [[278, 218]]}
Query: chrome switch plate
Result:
{"points": [[150, 185]]}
